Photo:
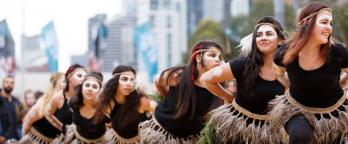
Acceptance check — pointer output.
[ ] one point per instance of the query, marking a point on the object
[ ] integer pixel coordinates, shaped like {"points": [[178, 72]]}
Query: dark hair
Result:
{"points": [[70, 70], [127, 111], [304, 31], [254, 60], [186, 93], [77, 101]]}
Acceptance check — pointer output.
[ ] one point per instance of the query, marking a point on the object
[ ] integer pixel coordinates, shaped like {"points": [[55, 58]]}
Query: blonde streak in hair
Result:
{"points": [[50, 91]]}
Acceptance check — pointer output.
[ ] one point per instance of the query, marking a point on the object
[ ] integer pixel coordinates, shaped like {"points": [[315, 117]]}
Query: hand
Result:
{"points": [[2, 139]]}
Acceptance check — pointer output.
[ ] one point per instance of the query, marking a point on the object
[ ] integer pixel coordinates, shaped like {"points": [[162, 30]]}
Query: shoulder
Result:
{"points": [[57, 97]]}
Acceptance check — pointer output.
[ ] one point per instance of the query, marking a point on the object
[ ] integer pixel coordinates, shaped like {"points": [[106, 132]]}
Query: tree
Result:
{"points": [[211, 30]]}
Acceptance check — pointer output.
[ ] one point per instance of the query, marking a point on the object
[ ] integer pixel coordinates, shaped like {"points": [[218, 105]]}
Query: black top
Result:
{"points": [[64, 115], [183, 127], [131, 129], [87, 127], [319, 87], [9, 117], [260, 94]]}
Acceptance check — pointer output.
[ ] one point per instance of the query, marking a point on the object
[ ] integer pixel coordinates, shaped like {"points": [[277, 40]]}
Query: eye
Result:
{"points": [[79, 75], [258, 34], [95, 86], [87, 84]]}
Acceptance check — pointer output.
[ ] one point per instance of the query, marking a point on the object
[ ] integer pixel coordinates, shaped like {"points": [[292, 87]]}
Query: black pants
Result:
{"points": [[299, 130]]}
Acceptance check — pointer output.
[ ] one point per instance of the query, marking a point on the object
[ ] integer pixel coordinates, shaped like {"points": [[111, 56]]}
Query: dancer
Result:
{"points": [[181, 116], [315, 108], [57, 113], [123, 105], [83, 129], [246, 119]]}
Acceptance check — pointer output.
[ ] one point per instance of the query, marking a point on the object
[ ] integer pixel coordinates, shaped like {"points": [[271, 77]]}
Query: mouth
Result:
{"points": [[326, 34]]}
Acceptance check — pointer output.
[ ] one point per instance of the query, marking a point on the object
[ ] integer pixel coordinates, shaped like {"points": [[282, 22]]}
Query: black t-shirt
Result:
{"points": [[319, 87], [64, 115], [256, 101], [183, 127], [131, 129], [87, 127]]}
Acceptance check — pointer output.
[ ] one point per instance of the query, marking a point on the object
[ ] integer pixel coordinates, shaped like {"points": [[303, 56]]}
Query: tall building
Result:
{"points": [[194, 14], [167, 19], [120, 47]]}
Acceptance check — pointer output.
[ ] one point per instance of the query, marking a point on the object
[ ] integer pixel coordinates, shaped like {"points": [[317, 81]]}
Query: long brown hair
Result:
{"points": [[305, 24], [186, 94], [127, 112], [255, 60]]}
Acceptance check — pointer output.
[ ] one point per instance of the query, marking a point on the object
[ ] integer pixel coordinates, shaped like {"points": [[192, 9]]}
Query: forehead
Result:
{"points": [[91, 80], [324, 15], [79, 70], [128, 73], [214, 49], [8, 79], [265, 28]]}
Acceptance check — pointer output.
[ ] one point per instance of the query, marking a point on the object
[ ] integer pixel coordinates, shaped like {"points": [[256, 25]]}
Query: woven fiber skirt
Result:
{"points": [[231, 123], [35, 137], [114, 138], [329, 124], [151, 132], [73, 137]]}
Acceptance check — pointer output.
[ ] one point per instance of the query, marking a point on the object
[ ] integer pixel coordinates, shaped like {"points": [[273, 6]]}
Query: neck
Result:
{"points": [[310, 48], [70, 92], [268, 60], [120, 99], [197, 80], [6, 95], [88, 103]]}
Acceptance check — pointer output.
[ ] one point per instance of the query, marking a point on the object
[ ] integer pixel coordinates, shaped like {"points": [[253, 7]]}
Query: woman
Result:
{"points": [[123, 105], [57, 83], [181, 116], [57, 113], [246, 119], [315, 108], [83, 129]]}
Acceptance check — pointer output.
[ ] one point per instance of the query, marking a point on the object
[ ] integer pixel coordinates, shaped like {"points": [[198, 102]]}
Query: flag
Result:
{"points": [[97, 34], [145, 43], [50, 45], [7, 50]]}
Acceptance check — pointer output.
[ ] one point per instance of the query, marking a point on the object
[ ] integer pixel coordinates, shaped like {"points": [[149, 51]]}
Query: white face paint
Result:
{"points": [[91, 86], [127, 79], [213, 55], [208, 76], [323, 27], [79, 75], [266, 39]]}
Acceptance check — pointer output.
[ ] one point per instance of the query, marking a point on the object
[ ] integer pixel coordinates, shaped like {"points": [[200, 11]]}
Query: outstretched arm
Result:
{"points": [[32, 116], [56, 101]]}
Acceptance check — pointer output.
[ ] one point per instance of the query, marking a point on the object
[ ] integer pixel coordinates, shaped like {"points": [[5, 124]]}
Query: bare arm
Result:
{"points": [[56, 101], [281, 76], [344, 79], [32, 116], [213, 77]]}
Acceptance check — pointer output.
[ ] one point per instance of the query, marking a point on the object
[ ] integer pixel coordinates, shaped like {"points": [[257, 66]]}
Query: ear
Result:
{"points": [[198, 58]]}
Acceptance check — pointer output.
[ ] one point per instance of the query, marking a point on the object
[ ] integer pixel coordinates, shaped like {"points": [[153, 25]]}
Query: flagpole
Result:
{"points": [[22, 67]]}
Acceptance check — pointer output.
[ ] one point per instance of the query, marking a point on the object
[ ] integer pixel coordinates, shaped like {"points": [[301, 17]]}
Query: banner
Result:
{"points": [[50, 45], [97, 34], [7, 51], [145, 43]]}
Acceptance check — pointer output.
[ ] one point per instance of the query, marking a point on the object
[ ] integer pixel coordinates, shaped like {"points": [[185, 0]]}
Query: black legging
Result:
{"points": [[299, 130]]}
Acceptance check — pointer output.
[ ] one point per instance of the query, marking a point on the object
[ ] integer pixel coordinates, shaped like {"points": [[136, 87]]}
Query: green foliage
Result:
{"points": [[244, 25], [211, 30]]}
